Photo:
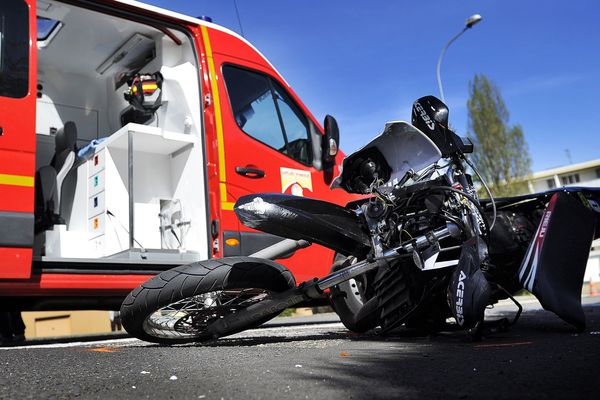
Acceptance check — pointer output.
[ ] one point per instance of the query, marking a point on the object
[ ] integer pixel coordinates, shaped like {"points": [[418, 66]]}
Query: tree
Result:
{"points": [[501, 154]]}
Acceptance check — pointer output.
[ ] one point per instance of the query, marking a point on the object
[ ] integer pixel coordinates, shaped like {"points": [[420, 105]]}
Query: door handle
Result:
{"points": [[250, 172]]}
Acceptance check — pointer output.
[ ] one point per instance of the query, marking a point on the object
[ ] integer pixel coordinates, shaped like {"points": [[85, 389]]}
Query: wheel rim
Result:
{"points": [[354, 289], [189, 318]]}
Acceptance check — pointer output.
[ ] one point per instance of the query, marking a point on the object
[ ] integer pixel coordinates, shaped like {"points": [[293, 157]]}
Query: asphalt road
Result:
{"points": [[316, 358]]}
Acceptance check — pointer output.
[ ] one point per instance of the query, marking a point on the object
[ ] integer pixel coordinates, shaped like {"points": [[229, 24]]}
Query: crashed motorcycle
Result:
{"points": [[417, 250]]}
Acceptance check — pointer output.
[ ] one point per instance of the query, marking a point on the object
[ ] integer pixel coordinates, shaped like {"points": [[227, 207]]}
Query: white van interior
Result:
{"points": [[115, 182]]}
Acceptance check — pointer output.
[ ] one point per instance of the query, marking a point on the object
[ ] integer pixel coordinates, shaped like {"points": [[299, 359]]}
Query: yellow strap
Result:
{"points": [[225, 205], [217, 104], [16, 180]]}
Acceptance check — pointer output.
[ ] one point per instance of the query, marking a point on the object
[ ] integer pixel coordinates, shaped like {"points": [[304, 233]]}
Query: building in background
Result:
{"points": [[581, 174]]}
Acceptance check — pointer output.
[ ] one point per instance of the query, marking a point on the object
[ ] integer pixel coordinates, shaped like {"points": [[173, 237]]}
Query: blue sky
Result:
{"points": [[366, 62]]}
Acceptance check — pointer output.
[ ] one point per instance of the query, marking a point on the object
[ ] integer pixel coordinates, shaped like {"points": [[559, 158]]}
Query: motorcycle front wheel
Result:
{"points": [[178, 305]]}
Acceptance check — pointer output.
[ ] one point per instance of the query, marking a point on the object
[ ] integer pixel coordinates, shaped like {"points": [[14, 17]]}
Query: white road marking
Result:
{"points": [[70, 344], [128, 341]]}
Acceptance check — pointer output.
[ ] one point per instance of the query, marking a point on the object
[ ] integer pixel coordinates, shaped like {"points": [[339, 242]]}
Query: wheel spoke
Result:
{"points": [[190, 317]]}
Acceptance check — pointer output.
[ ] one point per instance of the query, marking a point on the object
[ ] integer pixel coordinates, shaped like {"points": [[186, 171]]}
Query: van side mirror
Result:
{"points": [[331, 140]]}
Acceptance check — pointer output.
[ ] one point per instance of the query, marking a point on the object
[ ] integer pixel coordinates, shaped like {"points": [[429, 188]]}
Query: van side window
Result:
{"points": [[14, 48], [294, 126], [263, 110]]}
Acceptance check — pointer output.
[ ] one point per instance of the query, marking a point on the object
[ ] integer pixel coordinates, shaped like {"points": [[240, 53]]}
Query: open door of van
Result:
{"points": [[18, 32]]}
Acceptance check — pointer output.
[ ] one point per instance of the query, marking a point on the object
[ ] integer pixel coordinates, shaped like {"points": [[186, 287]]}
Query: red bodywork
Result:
{"points": [[226, 147], [227, 49], [17, 159]]}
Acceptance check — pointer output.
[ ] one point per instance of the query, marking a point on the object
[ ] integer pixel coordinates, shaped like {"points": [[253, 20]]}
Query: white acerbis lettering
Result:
{"points": [[460, 291], [424, 116]]}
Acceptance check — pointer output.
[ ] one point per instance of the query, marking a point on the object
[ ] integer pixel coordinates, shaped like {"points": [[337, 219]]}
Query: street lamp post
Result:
{"points": [[472, 20]]}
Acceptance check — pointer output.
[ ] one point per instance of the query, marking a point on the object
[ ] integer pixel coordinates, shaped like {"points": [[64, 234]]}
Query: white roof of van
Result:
{"points": [[197, 21]]}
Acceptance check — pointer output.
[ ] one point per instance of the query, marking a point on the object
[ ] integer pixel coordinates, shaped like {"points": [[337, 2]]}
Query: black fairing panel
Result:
{"points": [[542, 241], [298, 218], [555, 262]]}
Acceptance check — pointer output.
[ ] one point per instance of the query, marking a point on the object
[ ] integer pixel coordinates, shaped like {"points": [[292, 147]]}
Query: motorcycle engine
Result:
{"points": [[401, 287], [508, 244]]}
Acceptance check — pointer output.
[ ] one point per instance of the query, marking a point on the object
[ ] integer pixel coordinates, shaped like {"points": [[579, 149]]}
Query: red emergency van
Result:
{"points": [[102, 187]]}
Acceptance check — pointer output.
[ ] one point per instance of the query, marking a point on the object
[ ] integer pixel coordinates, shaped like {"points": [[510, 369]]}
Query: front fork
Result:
{"points": [[468, 292]]}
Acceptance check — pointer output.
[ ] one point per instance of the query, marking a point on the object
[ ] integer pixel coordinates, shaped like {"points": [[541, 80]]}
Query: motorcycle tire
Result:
{"points": [[178, 305], [347, 299]]}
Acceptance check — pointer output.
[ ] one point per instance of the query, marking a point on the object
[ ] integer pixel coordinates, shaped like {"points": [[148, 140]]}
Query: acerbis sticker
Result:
{"points": [[295, 181]]}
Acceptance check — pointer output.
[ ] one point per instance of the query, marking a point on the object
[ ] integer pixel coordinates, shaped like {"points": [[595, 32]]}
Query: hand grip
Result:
{"points": [[249, 172]]}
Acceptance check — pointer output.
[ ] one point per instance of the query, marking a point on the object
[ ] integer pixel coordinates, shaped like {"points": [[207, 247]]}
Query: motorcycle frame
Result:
{"points": [[314, 289]]}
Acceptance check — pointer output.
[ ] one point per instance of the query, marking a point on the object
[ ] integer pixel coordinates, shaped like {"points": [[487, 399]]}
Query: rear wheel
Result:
{"points": [[348, 298], [178, 305]]}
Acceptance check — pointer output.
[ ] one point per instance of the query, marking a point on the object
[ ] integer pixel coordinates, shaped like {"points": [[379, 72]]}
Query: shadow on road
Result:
{"points": [[541, 355]]}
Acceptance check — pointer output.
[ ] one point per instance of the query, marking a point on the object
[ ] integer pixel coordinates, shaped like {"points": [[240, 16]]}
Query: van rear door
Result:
{"points": [[18, 67]]}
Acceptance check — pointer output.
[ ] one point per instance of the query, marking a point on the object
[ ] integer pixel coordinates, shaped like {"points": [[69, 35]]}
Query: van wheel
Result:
{"points": [[178, 305]]}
